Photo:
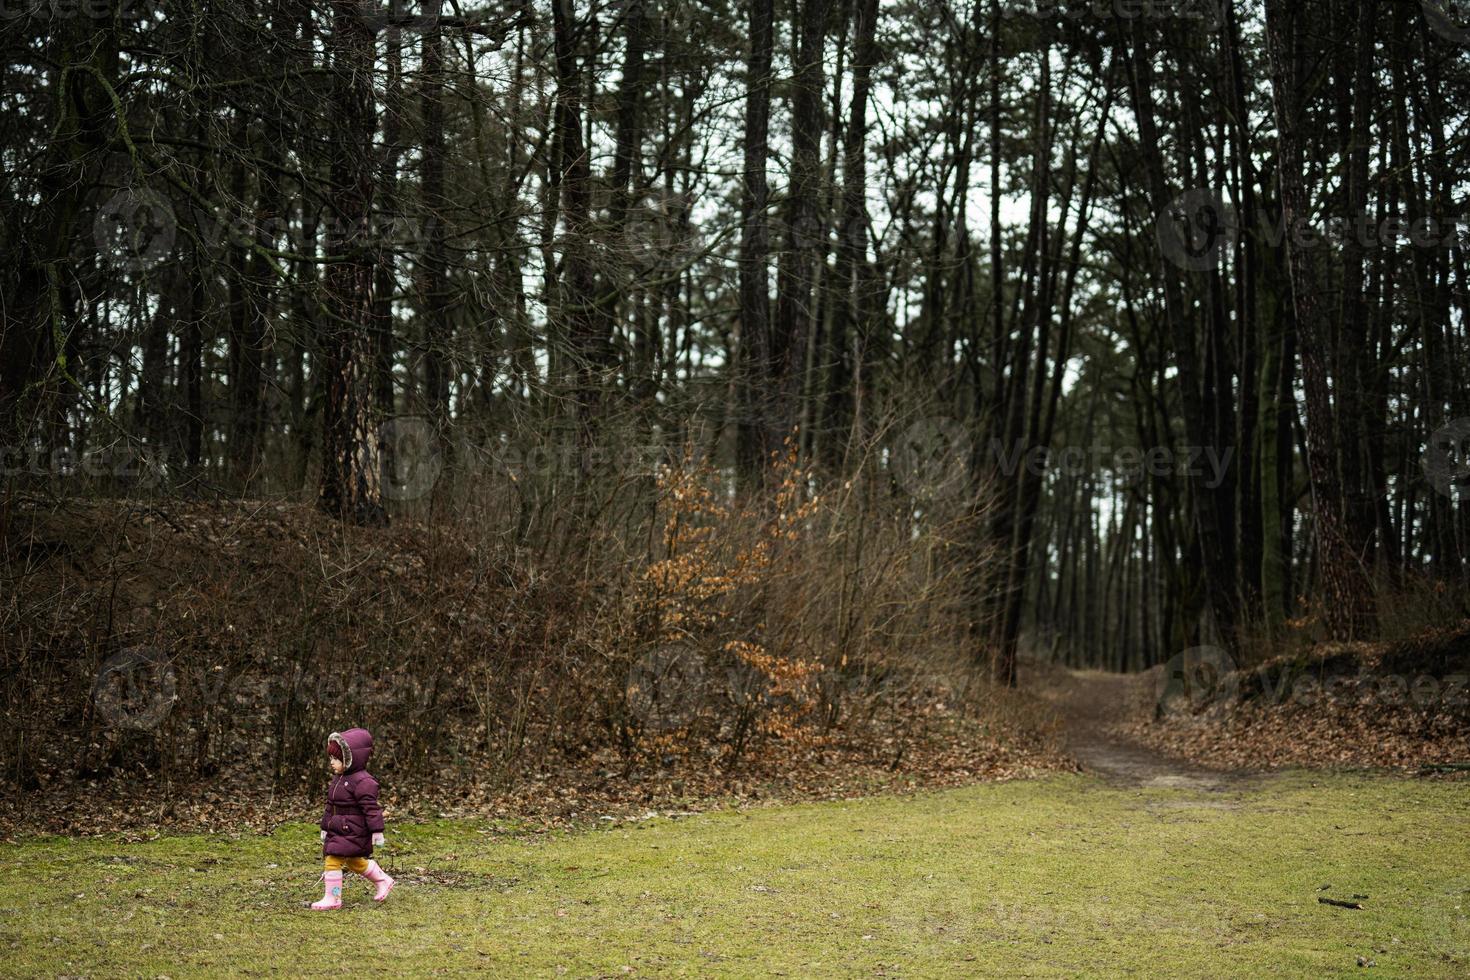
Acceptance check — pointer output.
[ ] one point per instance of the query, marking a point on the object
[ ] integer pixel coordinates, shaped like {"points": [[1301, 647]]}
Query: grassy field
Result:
{"points": [[1062, 876]]}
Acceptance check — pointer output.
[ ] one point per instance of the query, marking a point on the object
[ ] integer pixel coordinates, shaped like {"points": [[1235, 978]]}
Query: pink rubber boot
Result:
{"points": [[333, 898], [382, 881]]}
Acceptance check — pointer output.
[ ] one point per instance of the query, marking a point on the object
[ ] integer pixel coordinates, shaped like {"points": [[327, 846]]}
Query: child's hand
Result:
{"points": [[377, 840]]}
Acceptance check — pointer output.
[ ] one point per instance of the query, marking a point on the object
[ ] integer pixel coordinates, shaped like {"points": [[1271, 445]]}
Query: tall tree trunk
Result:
{"points": [[1041, 427], [852, 316], [589, 347], [389, 211], [1219, 582], [796, 271], [351, 476], [613, 288], [433, 277], [191, 358], [1020, 389], [755, 356], [1346, 599], [1352, 356], [1254, 409], [33, 366]]}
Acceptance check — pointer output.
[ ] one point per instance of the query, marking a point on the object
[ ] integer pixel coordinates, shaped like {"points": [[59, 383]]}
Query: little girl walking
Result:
{"points": [[352, 824]]}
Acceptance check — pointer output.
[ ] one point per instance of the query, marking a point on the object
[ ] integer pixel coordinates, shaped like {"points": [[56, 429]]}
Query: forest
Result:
{"points": [[643, 403]]}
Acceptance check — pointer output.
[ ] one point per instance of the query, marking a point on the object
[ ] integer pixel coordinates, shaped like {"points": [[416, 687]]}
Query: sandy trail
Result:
{"points": [[1089, 703]]}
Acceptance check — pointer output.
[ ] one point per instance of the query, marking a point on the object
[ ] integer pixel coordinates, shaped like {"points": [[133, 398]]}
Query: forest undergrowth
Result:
{"points": [[174, 663]]}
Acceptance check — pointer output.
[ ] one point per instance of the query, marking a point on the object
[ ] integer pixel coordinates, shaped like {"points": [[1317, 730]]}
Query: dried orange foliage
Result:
{"points": [[787, 686], [484, 674], [1401, 704], [706, 591]]}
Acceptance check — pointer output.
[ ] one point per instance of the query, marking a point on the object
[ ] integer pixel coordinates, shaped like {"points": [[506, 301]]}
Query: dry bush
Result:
{"points": [[515, 618], [781, 617]]}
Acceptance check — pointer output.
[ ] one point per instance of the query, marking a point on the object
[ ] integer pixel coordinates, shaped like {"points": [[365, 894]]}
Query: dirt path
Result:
{"points": [[1089, 703]]}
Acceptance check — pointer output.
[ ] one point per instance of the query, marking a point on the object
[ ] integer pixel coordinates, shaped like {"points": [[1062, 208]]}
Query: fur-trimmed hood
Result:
{"points": [[357, 747]]}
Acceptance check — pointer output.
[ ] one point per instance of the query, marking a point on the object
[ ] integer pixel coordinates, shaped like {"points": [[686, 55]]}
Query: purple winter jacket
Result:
{"points": [[352, 815]]}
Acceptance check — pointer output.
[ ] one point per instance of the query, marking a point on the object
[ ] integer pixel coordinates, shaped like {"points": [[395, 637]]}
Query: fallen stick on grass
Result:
{"points": [[1339, 903]]}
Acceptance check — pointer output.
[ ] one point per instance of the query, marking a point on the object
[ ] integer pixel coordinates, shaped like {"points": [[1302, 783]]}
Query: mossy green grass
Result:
{"points": [[1063, 876]]}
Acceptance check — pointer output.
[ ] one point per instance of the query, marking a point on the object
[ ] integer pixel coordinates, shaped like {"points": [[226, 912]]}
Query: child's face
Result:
{"points": [[337, 765]]}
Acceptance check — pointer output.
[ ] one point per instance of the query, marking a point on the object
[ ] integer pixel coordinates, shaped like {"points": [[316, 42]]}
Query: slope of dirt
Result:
{"points": [[233, 635], [1401, 705]]}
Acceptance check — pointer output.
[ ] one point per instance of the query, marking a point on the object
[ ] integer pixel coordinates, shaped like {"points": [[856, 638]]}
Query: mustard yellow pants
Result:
{"points": [[356, 865]]}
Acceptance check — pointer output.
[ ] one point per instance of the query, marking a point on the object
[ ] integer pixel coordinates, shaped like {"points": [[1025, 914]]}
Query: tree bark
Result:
{"points": [[589, 346], [1345, 602], [351, 477], [796, 271], [433, 282], [853, 316], [1219, 585], [755, 356]]}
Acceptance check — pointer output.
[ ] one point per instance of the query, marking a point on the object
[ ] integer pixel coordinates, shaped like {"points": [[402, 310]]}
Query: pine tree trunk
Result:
{"points": [[351, 477], [796, 272], [756, 363], [1345, 599], [433, 282]]}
